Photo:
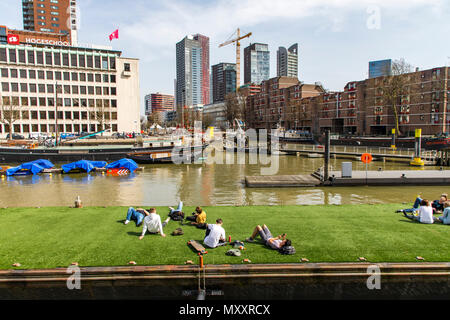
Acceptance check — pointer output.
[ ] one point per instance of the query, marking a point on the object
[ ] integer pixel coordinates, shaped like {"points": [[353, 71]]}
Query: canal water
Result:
{"points": [[202, 184]]}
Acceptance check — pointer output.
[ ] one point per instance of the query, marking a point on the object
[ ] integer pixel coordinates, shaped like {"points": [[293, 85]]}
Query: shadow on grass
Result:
{"points": [[132, 233]]}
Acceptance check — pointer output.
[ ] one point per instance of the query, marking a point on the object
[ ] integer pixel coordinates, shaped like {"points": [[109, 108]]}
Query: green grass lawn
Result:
{"points": [[96, 236]]}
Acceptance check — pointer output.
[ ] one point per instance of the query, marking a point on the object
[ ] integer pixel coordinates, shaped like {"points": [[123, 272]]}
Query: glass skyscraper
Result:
{"points": [[256, 63], [380, 68]]}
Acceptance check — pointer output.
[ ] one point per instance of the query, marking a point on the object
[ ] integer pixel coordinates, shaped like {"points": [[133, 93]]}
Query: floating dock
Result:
{"points": [[358, 178], [391, 178], [281, 181]]}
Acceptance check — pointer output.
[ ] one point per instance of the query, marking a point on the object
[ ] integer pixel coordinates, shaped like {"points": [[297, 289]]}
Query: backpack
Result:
{"points": [[287, 250], [177, 216]]}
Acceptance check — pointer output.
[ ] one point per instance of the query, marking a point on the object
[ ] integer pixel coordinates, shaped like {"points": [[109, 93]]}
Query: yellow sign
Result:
{"points": [[418, 133]]}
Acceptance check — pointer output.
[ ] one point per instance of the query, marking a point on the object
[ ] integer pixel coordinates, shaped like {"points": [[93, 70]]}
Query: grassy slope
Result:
{"points": [[96, 236]]}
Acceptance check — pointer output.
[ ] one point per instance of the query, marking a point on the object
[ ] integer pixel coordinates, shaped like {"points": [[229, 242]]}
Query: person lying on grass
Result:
{"points": [[152, 223], [437, 205], [198, 218], [445, 219], [425, 213], [177, 214], [275, 243], [136, 215], [215, 235]]}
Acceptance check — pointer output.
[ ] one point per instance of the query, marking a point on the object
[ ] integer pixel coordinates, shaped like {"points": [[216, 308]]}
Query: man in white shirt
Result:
{"points": [[425, 213], [152, 223], [215, 235]]}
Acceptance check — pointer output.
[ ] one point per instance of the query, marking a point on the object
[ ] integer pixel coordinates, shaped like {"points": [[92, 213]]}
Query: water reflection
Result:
{"points": [[200, 184]]}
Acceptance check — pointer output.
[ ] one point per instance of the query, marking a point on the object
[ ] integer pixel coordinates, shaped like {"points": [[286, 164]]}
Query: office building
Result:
{"points": [[69, 89], [192, 70], [256, 63], [158, 102], [53, 16], [380, 68], [223, 80], [287, 61]]}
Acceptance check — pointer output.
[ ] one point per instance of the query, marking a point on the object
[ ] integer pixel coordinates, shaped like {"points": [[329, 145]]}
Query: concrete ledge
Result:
{"points": [[265, 281]]}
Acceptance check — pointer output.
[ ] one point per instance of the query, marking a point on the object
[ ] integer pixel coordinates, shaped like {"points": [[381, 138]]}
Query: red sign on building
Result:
{"points": [[13, 39]]}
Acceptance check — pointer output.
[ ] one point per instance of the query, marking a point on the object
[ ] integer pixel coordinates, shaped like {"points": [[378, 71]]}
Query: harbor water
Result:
{"points": [[203, 184]]}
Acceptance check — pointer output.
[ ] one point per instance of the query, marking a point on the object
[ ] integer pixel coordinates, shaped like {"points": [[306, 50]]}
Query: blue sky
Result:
{"points": [[336, 38]]}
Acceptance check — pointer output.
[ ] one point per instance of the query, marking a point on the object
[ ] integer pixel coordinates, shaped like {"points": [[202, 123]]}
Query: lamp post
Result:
{"points": [[56, 114]]}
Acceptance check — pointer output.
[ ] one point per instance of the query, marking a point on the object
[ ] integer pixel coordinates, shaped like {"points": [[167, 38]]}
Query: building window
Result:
{"points": [[65, 59], [3, 54], [48, 58], [73, 60], [97, 62], [89, 61], [57, 58], [22, 58], [127, 67], [12, 55], [30, 57]]}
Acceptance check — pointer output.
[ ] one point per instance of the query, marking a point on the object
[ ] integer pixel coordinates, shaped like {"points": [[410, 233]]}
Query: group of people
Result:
{"points": [[215, 233], [426, 210]]}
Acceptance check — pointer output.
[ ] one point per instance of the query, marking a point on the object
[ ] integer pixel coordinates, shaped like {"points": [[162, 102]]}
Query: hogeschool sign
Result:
{"points": [[14, 39]]}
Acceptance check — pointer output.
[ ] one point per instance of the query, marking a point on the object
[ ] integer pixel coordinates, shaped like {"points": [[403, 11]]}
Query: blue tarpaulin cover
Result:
{"points": [[33, 167], [123, 164], [86, 165]]}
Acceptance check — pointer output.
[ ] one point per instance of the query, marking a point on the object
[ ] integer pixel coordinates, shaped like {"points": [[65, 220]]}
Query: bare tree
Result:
{"points": [[10, 112], [394, 84], [101, 115], [235, 107]]}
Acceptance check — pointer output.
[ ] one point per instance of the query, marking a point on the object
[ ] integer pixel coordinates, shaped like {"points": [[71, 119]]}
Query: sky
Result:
{"points": [[336, 39]]}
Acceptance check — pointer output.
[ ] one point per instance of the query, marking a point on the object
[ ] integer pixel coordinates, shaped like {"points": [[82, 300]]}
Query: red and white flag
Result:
{"points": [[114, 35]]}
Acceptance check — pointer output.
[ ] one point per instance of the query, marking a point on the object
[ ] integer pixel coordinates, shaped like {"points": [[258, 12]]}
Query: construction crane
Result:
{"points": [[238, 54]]}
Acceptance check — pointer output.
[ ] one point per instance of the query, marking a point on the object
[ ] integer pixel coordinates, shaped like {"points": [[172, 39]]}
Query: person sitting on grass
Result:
{"points": [[275, 243], [136, 215], [437, 205], [445, 219], [198, 218], [152, 223], [425, 213], [215, 235]]}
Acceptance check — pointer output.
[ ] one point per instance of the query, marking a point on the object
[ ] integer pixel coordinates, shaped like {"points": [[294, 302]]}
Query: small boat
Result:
{"points": [[185, 155], [440, 142], [294, 136]]}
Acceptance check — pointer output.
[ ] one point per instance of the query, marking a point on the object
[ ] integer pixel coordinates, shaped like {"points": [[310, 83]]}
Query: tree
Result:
{"points": [[101, 115], [10, 112], [394, 88], [235, 107]]}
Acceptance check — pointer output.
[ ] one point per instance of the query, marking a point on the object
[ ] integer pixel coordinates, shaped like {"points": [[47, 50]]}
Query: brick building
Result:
{"points": [[53, 16], [278, 101], [360, 109]]}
